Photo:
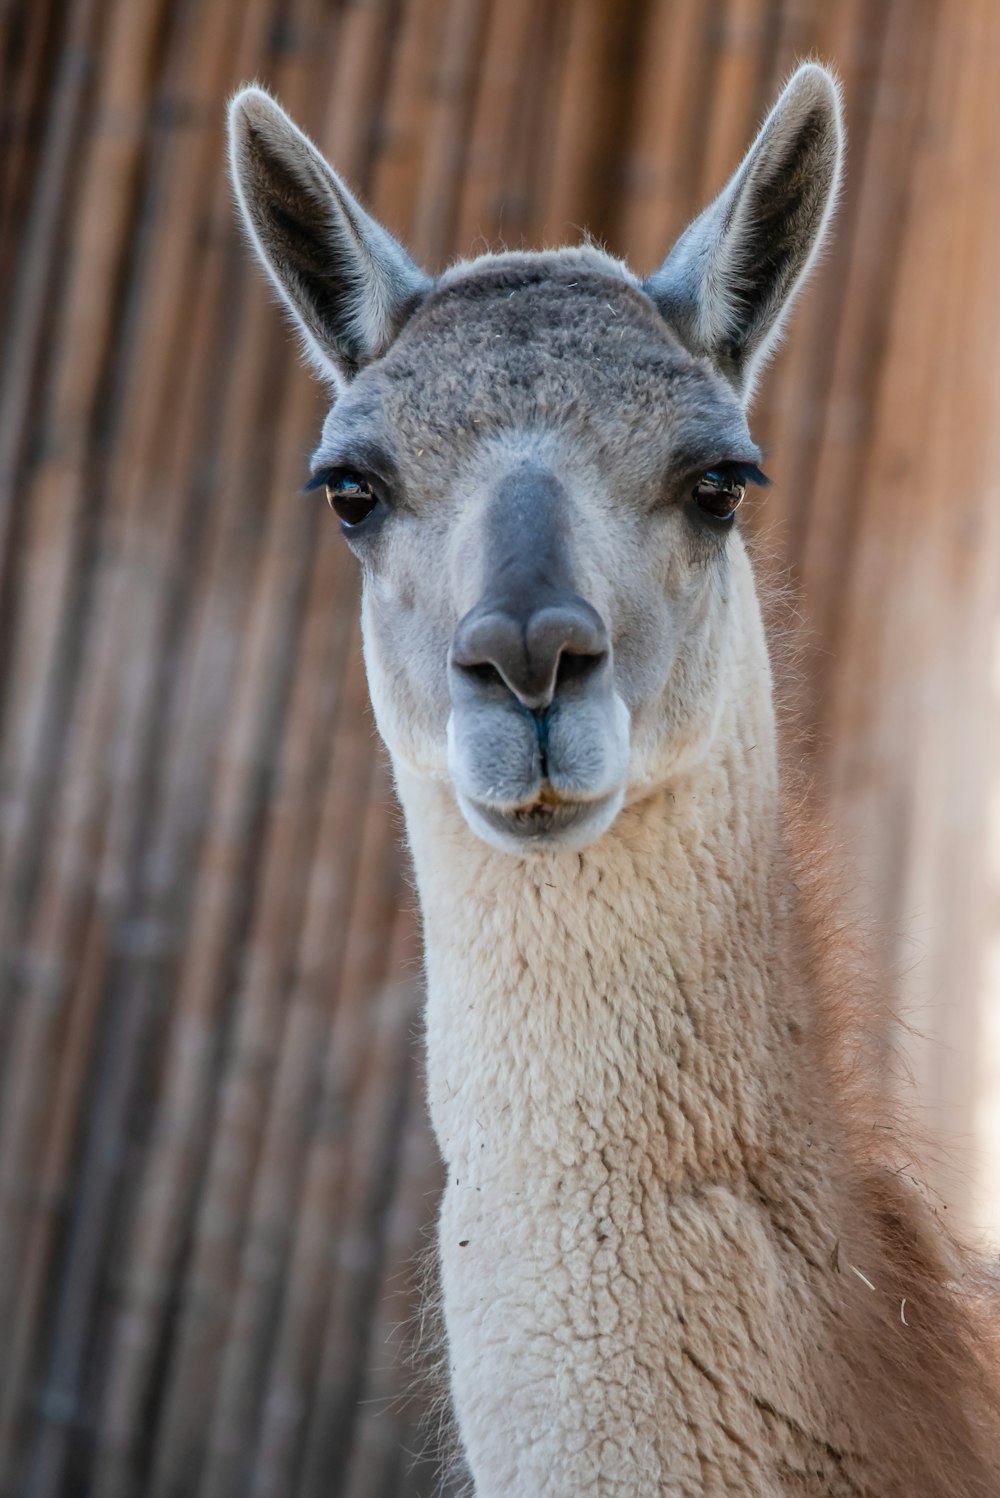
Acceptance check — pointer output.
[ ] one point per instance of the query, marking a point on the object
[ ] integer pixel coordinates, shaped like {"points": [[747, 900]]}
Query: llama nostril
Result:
{"points": [[576, 666], [482, 671]]}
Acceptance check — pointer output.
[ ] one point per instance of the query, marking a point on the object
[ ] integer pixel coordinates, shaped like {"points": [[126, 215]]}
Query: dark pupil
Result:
{"points": [[719, 494], [351, 499]]}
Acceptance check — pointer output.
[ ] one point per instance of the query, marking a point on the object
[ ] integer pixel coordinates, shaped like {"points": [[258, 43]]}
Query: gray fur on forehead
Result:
{"points": [[546, 337]]}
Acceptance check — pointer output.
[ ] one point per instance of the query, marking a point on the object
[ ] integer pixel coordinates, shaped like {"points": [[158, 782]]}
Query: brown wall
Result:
{"points": [[215, 1169]]}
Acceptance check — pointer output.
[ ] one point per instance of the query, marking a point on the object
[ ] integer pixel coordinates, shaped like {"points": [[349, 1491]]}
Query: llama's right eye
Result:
{"points": [[720, 491], [351, 497], [719, 494]]}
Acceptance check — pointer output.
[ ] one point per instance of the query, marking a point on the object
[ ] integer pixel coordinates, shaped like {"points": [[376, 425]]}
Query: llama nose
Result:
{"points": [[563, 641]]}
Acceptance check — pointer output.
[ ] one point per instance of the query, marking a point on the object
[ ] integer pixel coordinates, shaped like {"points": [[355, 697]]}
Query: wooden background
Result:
{"points": [[215, 1170]]}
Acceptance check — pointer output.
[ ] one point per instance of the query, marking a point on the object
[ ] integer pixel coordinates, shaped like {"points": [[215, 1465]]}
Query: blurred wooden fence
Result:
{"points": [[215, 1171]]}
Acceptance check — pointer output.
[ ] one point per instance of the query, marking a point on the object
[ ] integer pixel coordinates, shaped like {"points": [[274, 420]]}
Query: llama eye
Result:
{"points": [[718, 495], [350, 497]]}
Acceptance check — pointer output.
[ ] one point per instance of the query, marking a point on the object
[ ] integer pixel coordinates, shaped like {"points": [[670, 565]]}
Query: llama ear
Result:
{"points": [[728, 282], [348, 283]]}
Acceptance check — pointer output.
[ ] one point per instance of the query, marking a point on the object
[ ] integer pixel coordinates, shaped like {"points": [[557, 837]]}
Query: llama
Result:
{"points": [[675, 1256]]}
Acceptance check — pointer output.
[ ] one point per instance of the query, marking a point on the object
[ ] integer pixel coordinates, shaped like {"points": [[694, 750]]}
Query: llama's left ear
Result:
{"points": [[726, 285]]}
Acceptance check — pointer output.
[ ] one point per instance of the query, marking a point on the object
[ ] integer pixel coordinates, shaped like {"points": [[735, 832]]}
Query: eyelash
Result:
{"points": [[744, 473], [321, 478]]}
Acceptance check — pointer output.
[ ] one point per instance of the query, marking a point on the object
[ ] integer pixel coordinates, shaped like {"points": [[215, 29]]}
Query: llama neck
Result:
{"points": [[617, 1065]]}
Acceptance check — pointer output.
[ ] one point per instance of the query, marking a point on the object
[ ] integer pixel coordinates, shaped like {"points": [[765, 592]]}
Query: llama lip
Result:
{"points": [[549, 821], [539, 818], [542, 815]]}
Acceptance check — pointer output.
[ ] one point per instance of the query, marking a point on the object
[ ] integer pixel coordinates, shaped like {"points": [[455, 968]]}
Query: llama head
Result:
{"points": [[537, 458]]}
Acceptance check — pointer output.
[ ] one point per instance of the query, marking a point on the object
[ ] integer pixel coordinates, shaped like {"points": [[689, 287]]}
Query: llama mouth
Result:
{"points": [[547, 822]]}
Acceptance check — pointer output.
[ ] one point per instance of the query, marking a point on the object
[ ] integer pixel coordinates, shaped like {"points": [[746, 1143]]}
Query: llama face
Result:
{"points": [[533, 456], [545, 601]]}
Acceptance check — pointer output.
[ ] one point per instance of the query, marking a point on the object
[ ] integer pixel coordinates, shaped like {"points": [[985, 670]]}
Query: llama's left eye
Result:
{"points": [[351, 497], [719, 494]]}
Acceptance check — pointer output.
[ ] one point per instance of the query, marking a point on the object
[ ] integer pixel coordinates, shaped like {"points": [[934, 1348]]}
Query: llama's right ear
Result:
{"points": [[730, 279], [349, 284]]}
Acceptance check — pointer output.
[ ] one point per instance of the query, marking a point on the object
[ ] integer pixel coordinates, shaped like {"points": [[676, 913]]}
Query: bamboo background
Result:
{"points": [[215, 1169]]}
